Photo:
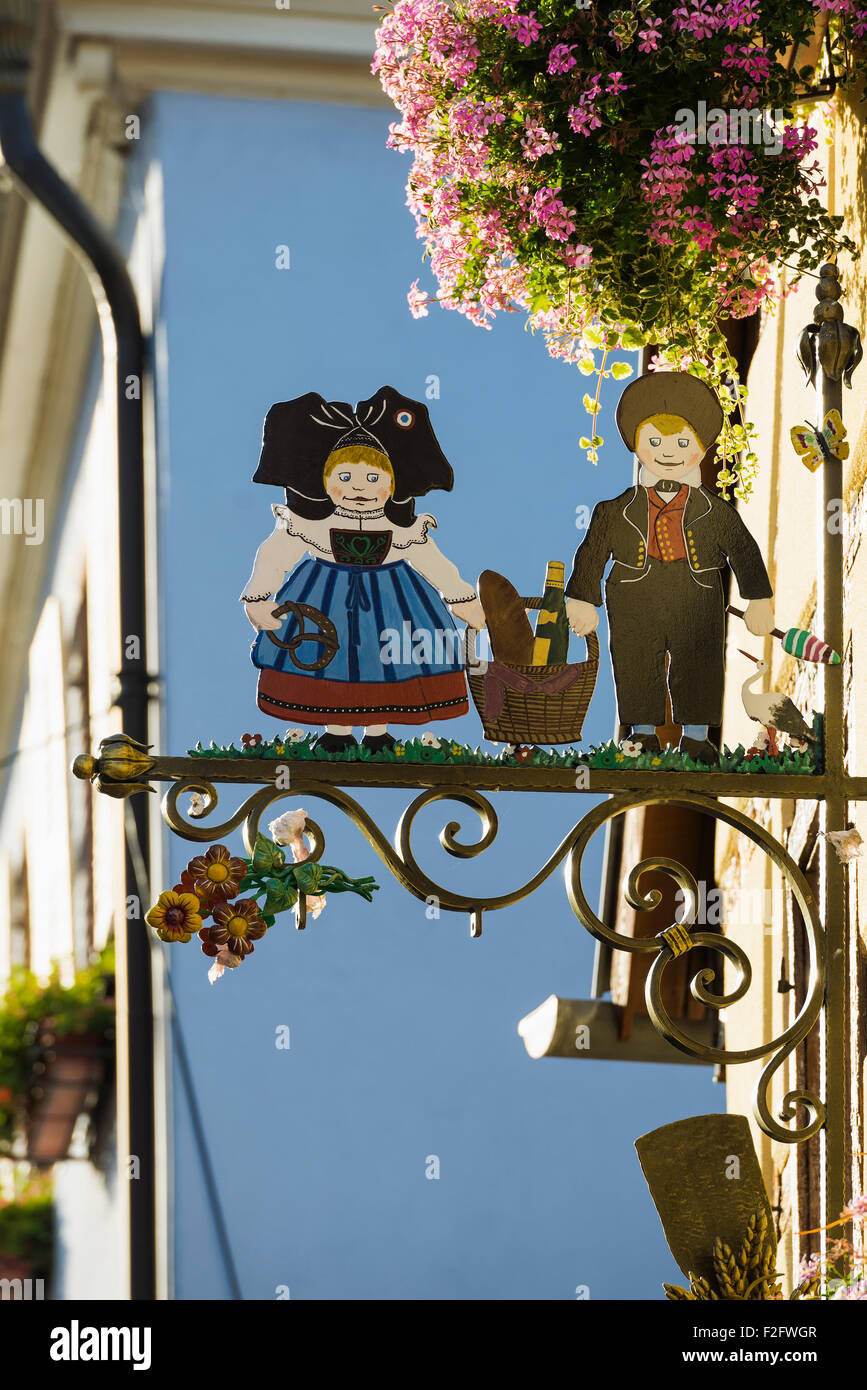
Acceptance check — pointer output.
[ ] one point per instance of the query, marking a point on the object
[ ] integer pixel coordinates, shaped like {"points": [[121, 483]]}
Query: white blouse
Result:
{"points": [[294, 536]]}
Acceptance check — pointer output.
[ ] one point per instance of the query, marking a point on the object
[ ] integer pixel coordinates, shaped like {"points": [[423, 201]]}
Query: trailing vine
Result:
{"points": [[625, 175]]}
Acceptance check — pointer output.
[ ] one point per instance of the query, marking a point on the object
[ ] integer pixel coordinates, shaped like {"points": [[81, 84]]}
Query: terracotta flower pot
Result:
{"points": [[68, 1071]]}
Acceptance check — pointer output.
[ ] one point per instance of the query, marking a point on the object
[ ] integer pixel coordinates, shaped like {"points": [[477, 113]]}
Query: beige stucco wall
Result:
{"points": [[786, 514]]}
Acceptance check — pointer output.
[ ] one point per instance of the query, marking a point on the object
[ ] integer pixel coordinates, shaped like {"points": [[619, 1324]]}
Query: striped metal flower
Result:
{"points": [[216, 875], [236, 926]]}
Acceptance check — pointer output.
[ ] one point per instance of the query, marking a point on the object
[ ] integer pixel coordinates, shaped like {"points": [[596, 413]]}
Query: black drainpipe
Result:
{"points": [[124, 356]]}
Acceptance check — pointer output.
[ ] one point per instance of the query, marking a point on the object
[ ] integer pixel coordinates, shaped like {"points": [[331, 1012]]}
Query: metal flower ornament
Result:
{"points": [[212, 885]]}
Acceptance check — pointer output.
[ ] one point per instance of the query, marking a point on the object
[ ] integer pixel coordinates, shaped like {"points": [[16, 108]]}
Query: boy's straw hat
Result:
{"points": [[669, 393]]}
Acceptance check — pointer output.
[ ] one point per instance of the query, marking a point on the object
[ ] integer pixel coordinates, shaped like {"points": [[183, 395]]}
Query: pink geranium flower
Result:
{"points": [[418, 301], [856, 1209], [648, 37], [560, 58]]}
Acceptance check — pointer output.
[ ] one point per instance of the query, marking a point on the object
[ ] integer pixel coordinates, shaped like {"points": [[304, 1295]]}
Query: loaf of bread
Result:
{"points": [[508, 625]]}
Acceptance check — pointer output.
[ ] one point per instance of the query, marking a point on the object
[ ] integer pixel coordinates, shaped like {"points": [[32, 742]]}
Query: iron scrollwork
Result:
{"points": [[680, 938]]}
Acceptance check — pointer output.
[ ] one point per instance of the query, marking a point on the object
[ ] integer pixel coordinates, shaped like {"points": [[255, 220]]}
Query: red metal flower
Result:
{"points": [[251, 740], [209, 947], [236, 927], [523, 754]]}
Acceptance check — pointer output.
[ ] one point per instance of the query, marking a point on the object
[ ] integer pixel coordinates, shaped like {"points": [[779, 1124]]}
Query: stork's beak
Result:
{"points": [[747, 655]]}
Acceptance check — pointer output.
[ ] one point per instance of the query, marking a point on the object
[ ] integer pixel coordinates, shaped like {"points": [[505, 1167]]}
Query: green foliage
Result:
{"points": [[26, 1225], [267, 857], [272, 885], [609, 755], [279, 896], [451, 754], [29, 1006], [308, 877]]}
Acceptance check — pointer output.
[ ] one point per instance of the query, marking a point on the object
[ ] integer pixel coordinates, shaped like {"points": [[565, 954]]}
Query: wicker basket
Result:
{"points": [[513, 711]]}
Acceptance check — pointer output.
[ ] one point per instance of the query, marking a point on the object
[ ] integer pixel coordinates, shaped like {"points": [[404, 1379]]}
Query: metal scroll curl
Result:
{"points": [[401, 862], [681, 938]]}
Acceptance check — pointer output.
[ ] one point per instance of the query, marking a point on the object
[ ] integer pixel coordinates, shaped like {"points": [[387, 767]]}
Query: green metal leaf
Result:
{"points": [[266, 855], [279, 896], [308, 877]]}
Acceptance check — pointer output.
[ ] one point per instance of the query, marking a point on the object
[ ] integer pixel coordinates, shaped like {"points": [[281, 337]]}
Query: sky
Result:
{"points": [[403, 1042]]}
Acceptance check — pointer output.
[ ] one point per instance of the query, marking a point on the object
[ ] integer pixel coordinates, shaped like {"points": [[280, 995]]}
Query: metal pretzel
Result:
{"points": [[327, 637]]}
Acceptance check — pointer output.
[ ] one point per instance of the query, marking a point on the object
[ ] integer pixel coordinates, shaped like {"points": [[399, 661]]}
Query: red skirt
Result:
{"points": [[291, 696]]}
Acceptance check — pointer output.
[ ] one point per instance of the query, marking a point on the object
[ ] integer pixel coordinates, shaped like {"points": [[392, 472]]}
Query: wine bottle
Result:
{"points": [[551, 644]]}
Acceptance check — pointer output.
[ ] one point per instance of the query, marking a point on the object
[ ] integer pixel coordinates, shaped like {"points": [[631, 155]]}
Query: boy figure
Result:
{"points": [[669, 538]]}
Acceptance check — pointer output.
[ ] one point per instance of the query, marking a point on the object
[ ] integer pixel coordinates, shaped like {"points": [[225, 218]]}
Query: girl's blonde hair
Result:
{"points": [[358, 453], [668, 424]]}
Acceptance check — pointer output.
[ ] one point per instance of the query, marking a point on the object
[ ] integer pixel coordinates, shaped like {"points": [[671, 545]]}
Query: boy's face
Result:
{"points": [[668, 455], [359, 487]]}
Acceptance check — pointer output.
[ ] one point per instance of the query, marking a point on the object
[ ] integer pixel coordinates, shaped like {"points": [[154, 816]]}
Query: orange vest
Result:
{"points": [[665, 530]]}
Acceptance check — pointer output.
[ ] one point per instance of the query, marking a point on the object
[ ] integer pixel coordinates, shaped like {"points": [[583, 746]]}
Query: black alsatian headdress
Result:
{"points": [[299, 435]]}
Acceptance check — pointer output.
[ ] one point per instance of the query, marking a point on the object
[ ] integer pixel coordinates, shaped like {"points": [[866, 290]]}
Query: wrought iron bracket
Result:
{"points": [[124, 767]]}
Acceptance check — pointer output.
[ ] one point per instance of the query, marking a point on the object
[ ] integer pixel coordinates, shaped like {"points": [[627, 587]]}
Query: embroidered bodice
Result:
{"points": [[345, 537]]}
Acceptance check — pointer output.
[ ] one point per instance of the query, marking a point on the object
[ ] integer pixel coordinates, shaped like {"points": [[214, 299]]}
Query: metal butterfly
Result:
{"points": [[815, 446]]}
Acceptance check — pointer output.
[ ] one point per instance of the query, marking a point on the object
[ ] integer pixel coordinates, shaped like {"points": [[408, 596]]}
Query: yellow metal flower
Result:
{"points": [[175, 916]]}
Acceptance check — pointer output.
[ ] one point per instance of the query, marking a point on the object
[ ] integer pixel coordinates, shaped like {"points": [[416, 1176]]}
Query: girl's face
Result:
{"points": [[359, 487]]}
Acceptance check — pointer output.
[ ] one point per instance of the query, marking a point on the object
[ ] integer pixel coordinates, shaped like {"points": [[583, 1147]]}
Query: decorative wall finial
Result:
{"points": [[828, 341]]}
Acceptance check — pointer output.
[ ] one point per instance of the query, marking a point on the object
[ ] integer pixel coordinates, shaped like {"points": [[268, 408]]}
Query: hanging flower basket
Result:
{"points": [[624, 175], [68, 1074], [55, 1049]]}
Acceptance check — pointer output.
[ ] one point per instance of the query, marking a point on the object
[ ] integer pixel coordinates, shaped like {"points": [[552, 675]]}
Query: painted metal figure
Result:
{"points": [[670, 539], [774, 711], [362, 565]]}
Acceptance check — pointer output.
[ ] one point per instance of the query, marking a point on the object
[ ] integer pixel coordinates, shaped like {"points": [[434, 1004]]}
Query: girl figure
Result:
{"points": [[354, 550]]}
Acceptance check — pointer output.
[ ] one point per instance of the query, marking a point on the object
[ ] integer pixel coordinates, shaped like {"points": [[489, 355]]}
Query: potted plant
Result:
{"points": [[53, 1054], [627, 174], [26, 1238]]}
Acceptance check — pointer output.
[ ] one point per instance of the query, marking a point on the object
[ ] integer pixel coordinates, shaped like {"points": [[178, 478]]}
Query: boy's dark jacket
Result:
{"points": [[713, 532]]}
